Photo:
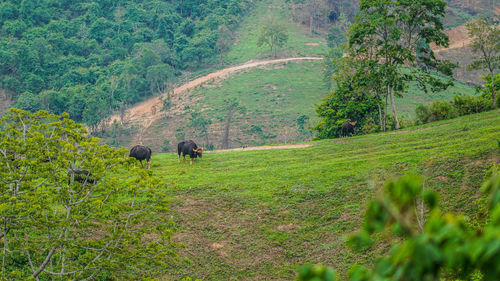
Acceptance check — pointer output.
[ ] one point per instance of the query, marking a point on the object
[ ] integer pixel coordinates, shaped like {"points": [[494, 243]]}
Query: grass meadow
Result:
{"points": [[258, 215]]}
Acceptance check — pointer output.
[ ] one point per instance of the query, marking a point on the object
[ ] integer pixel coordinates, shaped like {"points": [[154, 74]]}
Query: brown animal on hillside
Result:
{"points": [[141, 152], [188, 147], [348, 128]]}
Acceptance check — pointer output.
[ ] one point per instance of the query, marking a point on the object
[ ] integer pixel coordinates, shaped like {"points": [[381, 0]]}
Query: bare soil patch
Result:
{"points": [[458, 38]]}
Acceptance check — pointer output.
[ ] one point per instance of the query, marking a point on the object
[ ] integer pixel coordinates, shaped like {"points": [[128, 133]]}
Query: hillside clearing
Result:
{"points": [[142, 112]]}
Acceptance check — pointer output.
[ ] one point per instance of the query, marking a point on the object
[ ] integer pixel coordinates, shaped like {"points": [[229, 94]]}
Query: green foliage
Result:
{"points": [[119, 52], [460, 105], [400, 28], [438, 110], [316, 273], [485, 41], [54, 226], [200, 124], [487, 88], [436, 244], [274, 35], [166, 146], [351, 100]]}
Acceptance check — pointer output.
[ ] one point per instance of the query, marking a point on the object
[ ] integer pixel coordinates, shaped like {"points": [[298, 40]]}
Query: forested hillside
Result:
{"points": [[90, 58]]}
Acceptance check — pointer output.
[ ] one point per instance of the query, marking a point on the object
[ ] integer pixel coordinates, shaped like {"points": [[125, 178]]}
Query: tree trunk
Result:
{"points": [[225, 139], [394, 113], [493, 90], [206, 139], [380, 117], [385, 113], [311, 23]]}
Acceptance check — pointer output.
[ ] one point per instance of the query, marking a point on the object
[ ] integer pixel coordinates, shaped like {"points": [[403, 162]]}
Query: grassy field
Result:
{"points": [[299, 42], [257, 215]]}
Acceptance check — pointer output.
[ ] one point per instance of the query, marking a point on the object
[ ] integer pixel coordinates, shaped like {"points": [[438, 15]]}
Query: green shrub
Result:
{"points": [[460, 105], [470, 105], [441, 110]]}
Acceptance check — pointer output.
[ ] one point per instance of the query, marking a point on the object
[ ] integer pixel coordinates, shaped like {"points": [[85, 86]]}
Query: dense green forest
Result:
{"points": [[89, 58]]}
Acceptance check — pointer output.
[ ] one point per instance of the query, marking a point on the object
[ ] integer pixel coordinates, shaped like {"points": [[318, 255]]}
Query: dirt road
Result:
{"points": [[289, 146], [149, 111]]}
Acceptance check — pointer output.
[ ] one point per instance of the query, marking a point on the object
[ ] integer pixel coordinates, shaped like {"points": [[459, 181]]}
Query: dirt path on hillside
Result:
{"points": [[149, 111], [289, 146], [303, 145]]}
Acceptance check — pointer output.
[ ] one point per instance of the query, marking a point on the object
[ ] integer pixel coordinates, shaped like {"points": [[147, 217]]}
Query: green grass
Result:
{"points": [[257, 215], [274, 96], [415, 96], [245, 47]]}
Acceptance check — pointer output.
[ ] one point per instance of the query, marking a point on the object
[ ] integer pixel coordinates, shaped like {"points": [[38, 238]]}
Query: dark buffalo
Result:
{"points": [[82, 176], [141, 152], [188, 147], [348, 128]]}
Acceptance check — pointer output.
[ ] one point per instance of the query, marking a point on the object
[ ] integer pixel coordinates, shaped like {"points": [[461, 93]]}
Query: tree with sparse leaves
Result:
{"points": [[230, 108], [486, 42], [274, 35], [56, 225]]}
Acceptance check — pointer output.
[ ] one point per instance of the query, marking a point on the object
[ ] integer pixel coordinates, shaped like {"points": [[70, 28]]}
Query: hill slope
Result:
{"points": [[256, 215], [275, 97]]}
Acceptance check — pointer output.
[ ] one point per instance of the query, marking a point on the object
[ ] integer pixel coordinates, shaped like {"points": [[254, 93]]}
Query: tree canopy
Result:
{"points": [[388, 47], [56, 225], [91, 57]]}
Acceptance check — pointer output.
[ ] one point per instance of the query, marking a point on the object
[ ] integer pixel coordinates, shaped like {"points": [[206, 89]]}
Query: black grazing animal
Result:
{"points": [[348, 128], [188, 147], [82, 176], [141, 152]]}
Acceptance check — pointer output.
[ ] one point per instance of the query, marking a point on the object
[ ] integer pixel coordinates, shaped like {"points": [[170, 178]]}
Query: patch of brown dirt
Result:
{"points": [[442, 178], [288, 227], [312, 44], [458, 38]]}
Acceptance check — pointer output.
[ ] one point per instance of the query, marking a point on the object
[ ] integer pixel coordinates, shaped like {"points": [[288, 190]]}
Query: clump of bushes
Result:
{"points": [[460, 105]]}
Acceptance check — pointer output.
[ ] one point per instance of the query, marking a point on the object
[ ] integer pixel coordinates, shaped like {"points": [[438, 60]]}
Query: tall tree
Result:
{"points": [[274, 35], [389, 32], [223, 41], [315, 10], [231, 107], [486, 42], [200, 123]]}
